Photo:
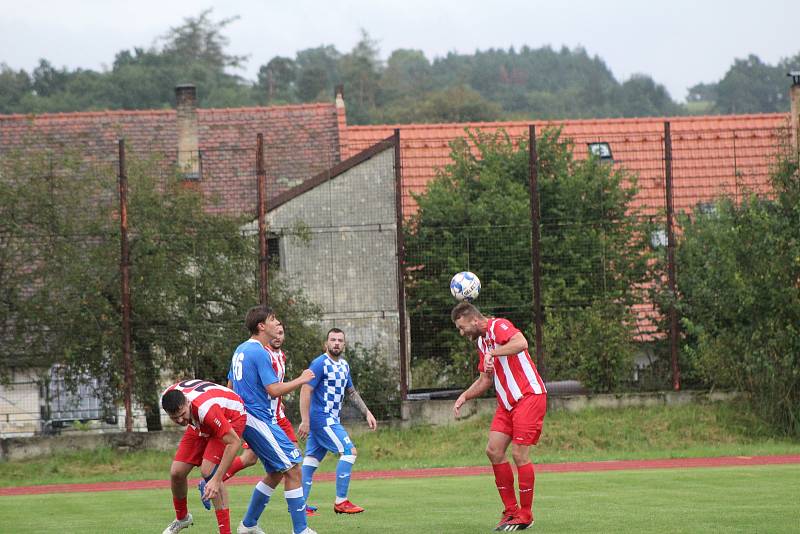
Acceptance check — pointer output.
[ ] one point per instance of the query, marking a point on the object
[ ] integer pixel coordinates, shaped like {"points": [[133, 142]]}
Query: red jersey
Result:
{"points": [[215, 409], [514, 376], [279, 366]]}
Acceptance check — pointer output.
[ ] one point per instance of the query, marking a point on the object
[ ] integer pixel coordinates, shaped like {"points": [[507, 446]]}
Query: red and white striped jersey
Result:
{"points": [[279, 366], [214, 408], [514, 376]]}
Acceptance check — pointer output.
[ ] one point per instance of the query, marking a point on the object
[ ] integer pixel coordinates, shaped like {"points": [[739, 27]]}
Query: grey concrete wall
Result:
{"points": [[440, 412], [347, 263], [35, 447]]}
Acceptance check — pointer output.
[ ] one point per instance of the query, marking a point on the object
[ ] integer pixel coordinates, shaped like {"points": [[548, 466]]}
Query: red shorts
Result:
{"points": [[524, 421], [194, 448], [286, 425]]}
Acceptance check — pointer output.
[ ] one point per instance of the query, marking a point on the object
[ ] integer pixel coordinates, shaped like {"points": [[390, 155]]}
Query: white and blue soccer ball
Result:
{"points": [[465, 286]]}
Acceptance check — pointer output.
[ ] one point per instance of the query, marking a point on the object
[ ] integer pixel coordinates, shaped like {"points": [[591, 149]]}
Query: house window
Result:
{"points": [[602, 151], [706, 208], [658, 238], [190, 165], [274, 252]]}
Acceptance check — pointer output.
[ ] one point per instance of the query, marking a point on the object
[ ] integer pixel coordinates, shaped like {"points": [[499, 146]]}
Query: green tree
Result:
{"points": [[739, 297], [360, 71], [14, 85], [407, 75], [752, 86], [318, 73], [276, 80], [476, 216], [192, 276]]}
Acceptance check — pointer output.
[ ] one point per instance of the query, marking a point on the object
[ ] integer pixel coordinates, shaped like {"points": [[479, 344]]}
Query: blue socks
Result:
{"points": [[258, 501], [310, 465], [297, 509], [343, 470]]}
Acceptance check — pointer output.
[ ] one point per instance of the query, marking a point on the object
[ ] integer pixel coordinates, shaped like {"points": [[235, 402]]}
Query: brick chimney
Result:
{"points": [[341, 124], [188, 143]]}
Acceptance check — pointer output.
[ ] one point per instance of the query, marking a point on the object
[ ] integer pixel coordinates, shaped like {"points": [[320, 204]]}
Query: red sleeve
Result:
{"points": [[504, 330], [215, 423]]}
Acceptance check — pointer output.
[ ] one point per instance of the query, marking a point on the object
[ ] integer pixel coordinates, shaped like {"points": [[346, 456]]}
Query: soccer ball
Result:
{"points": [[465, 286]]}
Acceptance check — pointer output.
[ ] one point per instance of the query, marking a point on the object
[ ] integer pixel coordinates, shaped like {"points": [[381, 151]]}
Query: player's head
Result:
{"points": [[334, 342], [176, 405], [469, 320], [277, 341], [261, 319]]}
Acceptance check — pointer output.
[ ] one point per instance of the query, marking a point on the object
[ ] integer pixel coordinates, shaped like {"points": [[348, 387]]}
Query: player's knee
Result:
{"points": [[178, 472], [349, 458], [495, 454], [248, 458], [293, 476], [207, 472]]}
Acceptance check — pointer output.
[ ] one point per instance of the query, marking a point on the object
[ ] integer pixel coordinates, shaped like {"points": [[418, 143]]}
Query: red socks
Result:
{"points": [[224, 521], [504, 479], [527, 479], [181, 510], [235, 467]]}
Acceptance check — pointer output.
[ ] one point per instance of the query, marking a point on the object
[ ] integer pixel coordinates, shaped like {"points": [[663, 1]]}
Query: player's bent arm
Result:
{"points": [[276, 389], [362, 407], [232, 444], [478, 388], [515, 345], [305, 408]]}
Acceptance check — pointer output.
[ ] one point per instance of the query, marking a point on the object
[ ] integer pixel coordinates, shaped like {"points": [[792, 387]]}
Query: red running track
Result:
{"points": [[567, 467]]}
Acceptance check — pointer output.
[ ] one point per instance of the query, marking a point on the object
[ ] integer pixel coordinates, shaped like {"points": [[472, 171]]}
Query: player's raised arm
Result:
{"points": [[354, 396]]}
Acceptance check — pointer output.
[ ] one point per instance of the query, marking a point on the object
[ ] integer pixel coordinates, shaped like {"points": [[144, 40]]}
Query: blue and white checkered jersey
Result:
{"points": [[331, 380], [250, 373]]}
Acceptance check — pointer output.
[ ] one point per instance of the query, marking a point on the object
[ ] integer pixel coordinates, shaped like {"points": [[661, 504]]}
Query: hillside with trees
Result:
{"points": [[407, 86]]}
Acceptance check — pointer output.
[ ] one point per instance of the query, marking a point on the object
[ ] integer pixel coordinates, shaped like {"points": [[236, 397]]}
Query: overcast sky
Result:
{"points": [[677, 42]]}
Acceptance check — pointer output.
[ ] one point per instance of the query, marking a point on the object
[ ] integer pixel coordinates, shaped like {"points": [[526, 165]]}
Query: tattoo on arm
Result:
{"points": [[357, 400]]}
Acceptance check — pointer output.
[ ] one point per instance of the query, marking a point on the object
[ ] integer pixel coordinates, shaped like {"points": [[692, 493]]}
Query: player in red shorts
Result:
{"points": [[248, 458], [521, 405], [215, 419]]}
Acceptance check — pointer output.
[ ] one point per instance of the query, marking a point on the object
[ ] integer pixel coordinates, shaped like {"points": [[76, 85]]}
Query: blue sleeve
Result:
{"points": [[265, 371], [319, 368], [349, 378]]}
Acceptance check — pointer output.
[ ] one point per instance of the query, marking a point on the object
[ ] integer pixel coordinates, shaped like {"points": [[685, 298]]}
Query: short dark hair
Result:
{"points": [[256, 315], [334, 330], [173, 400], [464, 309]]}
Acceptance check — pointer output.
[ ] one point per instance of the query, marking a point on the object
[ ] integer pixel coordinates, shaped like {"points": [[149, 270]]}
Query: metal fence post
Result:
{"points": [[401, 286], [533, 175], [124, 268], [263, 254], [673, 312]]}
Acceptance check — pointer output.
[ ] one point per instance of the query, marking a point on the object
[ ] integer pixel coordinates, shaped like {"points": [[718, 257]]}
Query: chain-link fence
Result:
{"points": [[331, 253]]}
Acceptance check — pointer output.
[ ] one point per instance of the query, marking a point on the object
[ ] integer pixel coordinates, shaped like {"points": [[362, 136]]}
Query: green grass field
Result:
{"points": [[695, 430], [746, 500]]}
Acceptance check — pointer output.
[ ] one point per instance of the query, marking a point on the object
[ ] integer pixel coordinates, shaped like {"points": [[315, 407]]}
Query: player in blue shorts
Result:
{"points": [[320, 403], [254, 380]]}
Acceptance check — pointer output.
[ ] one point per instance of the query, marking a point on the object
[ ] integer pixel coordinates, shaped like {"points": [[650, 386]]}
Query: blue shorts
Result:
{"points": [[332, 438], [270, 443]]}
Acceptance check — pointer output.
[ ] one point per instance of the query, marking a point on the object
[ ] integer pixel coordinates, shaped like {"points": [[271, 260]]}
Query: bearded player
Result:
{"points": [[521, 406]]}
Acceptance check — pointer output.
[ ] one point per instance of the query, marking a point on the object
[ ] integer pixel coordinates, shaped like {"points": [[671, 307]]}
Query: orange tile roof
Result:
{"points": [[711, 154], [300, 142]]}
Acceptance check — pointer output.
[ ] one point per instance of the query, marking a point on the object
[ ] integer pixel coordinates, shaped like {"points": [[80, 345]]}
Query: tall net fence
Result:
{"points": [[192, 261], [331, 254], [602, 249]]}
